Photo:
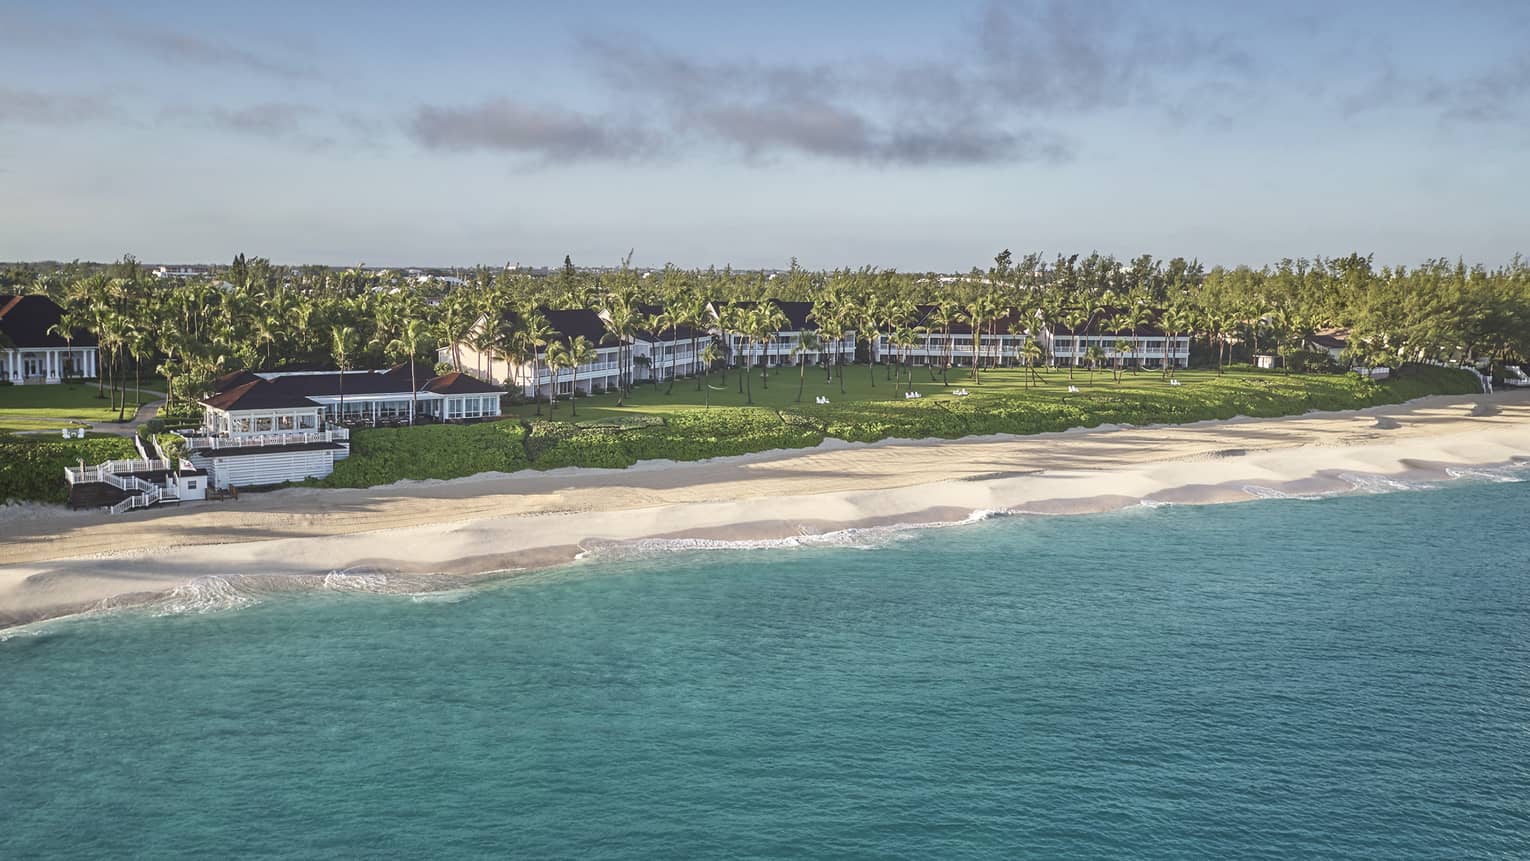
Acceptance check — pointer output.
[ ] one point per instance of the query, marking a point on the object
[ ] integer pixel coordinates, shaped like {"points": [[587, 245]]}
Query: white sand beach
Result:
{"points": [[54, 562]]}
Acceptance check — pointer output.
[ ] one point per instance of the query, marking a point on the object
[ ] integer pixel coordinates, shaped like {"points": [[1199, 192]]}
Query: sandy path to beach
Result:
{"points": [[58, 562]]}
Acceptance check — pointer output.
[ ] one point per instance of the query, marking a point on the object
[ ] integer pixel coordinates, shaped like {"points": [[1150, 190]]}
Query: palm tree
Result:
{"points": [[733, 321], [343, 345], [694, 313], [1122, 347], [1075, 321], [1135, 318], [1034, 356], [982, 309], [807, 344], [557, 360], [771, 321], [1172, 322], [408, 344], [945, 315], [1095, 354], [580, 351], [538, 333], [621, 321], [710, 355]]}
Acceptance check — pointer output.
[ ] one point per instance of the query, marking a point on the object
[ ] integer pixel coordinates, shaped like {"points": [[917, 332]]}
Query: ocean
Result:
{"points": [[1346, 677]]}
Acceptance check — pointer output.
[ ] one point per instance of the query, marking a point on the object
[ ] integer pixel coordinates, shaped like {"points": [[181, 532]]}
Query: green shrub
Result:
{"points": [[385, 455], [34, 470]]}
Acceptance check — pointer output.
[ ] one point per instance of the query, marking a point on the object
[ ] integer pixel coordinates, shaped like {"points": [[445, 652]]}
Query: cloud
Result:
{"points": [[998, 96], [509, 126], [287, 122], [1498, 93], [268, 119], [33, 107], [187, 49]]}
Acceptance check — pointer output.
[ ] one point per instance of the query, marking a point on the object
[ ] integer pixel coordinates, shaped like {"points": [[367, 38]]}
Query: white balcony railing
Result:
{"points": [[206, 442]]}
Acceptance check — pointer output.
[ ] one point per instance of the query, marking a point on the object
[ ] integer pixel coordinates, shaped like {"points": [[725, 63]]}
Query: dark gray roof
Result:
{"points": [[26, 321]]}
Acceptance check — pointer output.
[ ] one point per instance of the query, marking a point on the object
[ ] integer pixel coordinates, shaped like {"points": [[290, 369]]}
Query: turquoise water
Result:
{"points": [[1345, 678]]}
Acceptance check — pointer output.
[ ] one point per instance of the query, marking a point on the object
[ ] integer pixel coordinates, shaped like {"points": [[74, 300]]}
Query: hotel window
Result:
{"points": [[262, 424], [284, 422], [307, 422], [242, 425]]}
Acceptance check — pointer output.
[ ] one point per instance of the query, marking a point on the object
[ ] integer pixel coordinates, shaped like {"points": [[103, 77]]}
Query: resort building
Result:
{"points": [[268, 428], [671, 353], [1331, 341], [934, 342], [776, 351], [33, 350], [1151, 347], [600, 374]]}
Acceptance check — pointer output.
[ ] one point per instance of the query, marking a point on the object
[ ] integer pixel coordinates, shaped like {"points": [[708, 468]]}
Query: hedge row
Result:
{"points": [[33, 470], [385, 455]]}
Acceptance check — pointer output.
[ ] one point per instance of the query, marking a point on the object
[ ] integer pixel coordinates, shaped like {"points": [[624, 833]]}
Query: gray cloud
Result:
{"points": [[33, 107], [997, 96], [508, 126], [268, 119], [1496, 94], [291, 123], [188, 49]]}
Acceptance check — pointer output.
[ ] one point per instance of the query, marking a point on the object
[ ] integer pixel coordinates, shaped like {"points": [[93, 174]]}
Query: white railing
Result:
{"points": [[108, 472], [265, 439], [138, 500]]}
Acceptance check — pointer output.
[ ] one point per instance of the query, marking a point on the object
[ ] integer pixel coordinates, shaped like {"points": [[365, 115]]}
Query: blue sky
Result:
{"points": [[904, 134]]}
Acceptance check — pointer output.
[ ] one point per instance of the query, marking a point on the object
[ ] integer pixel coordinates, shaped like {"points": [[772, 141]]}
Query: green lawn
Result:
{"points": [[63, 401], [10, 425]]}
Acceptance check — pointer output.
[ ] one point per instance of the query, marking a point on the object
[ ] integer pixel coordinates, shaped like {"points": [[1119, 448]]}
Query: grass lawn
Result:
{"points": [[63, 401], [1006, 385]]}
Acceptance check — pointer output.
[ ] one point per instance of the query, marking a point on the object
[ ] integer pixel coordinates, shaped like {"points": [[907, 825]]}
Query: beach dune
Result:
{"points": [[54, 562]]}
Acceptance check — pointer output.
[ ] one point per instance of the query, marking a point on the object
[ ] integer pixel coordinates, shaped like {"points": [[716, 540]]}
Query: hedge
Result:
{"points": [[33, 470], [385, 455]]}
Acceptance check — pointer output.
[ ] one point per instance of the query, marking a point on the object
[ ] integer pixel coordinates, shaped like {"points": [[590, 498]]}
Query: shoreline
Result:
{"points": [[441, 534]]}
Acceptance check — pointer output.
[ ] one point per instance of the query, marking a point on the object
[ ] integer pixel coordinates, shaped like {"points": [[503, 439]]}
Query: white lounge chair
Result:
{"points": [[1174, 382], [66, 432], [79, 434], [1073, 390]]}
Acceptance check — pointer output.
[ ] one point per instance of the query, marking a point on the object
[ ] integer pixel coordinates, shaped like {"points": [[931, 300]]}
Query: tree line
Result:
{"points": [[257, 315]]}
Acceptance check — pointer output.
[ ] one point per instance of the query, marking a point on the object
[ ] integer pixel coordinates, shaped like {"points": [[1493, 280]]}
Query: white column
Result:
{"points": [[52, 364]]}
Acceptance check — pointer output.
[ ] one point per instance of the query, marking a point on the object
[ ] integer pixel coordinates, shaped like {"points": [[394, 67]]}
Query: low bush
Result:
{"points": [[385, 455], [33, 470], [684, 435]]}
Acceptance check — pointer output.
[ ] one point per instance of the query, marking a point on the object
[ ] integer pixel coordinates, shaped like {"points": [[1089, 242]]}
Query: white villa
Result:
{"points": [[32, 350], [777, 352]]}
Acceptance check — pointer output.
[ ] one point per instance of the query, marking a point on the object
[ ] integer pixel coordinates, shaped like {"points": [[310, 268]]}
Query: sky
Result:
{"points": [[911, 135]]}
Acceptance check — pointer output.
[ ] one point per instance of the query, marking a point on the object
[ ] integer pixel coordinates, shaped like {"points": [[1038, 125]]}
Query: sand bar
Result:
{"points": [[54, 562]]}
